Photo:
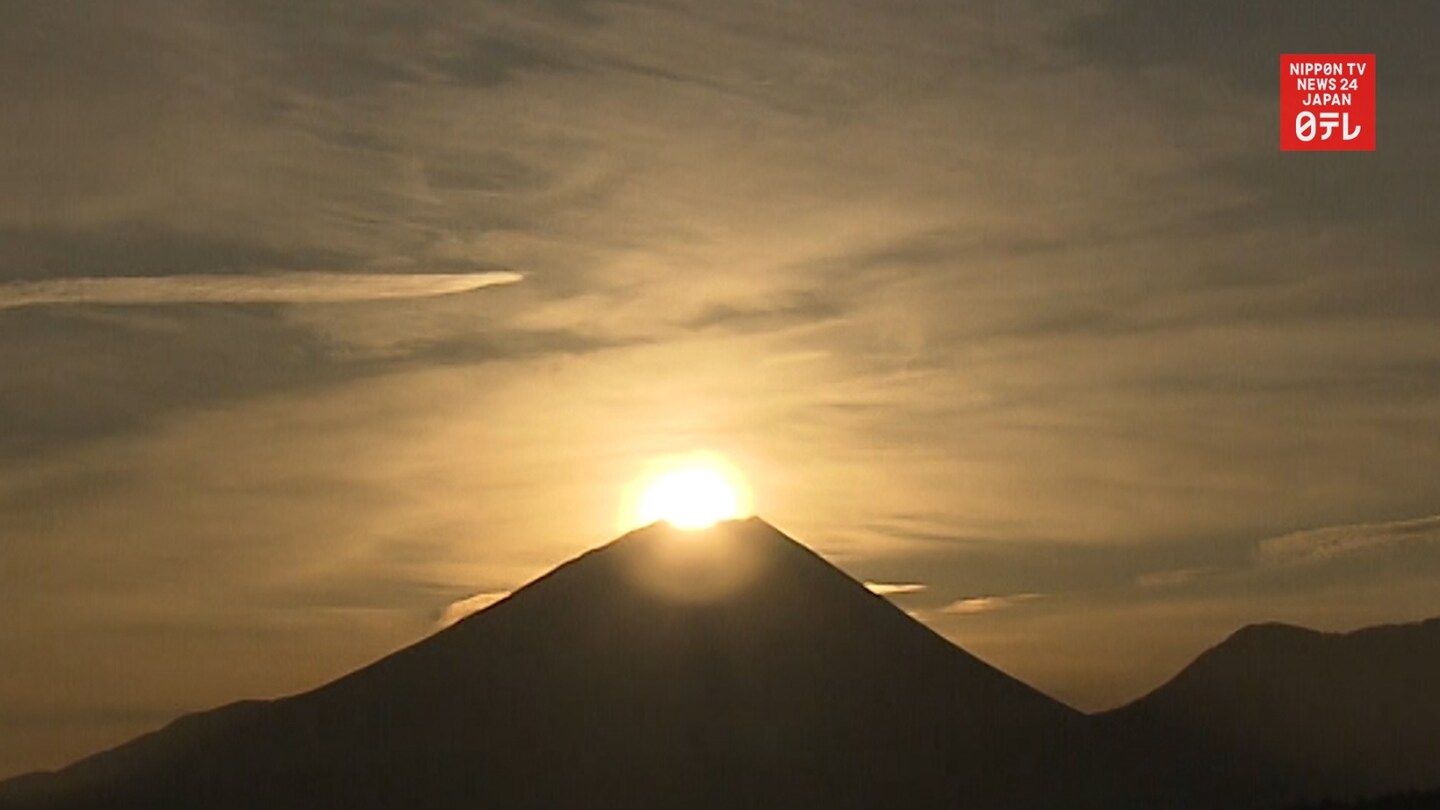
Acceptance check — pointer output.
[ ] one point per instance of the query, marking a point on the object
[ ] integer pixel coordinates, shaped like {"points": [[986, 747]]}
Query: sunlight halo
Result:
{"points": [[694, 496]]}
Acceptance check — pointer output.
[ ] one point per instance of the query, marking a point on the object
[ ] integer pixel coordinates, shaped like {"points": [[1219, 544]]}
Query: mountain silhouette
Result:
{"points": [[1410, 800], [1307, 714], [730, 667]]}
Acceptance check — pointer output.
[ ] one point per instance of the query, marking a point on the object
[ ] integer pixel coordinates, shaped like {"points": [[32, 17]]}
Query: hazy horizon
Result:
{"points": [[323, 325]]}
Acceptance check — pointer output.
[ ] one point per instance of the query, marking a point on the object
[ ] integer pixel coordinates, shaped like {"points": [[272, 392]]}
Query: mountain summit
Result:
{"points": [[729, 667]]}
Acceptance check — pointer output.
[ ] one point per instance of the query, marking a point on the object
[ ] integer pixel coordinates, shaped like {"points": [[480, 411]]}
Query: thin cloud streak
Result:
{"points": [[986, 604], [1171, 577], [260, 288], [469, 606], [894, 588], [1325, 544]]}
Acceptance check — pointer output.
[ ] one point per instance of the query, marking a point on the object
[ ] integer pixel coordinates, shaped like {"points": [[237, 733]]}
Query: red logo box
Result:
{"points": [[1327, 102]]}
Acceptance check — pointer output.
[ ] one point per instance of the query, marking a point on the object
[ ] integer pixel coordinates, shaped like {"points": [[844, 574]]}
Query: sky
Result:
{"points": [[324, 323]]}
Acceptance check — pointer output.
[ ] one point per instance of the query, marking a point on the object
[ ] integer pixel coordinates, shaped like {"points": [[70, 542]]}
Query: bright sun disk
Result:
{"points": [[690, 498]]}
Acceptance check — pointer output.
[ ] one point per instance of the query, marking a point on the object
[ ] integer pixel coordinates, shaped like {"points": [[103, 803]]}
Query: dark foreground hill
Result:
{"points": [[728, 668], [1402, 801], [1317, 715]]}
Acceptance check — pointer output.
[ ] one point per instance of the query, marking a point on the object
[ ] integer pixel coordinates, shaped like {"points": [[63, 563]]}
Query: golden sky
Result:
{"points": [[317, 319]]}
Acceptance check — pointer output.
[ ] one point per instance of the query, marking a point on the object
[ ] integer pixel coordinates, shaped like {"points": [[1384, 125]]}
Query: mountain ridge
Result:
{"points": [[1314, 714], [737, 667], [721, 668]]}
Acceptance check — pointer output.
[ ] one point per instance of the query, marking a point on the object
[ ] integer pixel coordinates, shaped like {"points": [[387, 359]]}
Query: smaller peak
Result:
{"points": [[1269, 632], [1263, 629], [1263, 639]]}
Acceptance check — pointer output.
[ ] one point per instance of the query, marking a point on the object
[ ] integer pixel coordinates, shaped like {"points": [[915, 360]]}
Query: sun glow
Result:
{"points": [[692, 497]]}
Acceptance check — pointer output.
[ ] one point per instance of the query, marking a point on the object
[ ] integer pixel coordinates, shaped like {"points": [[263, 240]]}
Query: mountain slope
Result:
{"points": [[727, 668], [1321, 715]]}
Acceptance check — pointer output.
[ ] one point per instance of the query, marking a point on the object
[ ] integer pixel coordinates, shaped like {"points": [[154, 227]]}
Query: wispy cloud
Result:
{"points": [[986, 604], [468, 606], [261, 288], [1322, 545], [894, 588], [1170, 577]]}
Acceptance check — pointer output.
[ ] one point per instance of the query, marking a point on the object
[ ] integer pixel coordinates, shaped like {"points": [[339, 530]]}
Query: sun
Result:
{"points": [[692, 497]]}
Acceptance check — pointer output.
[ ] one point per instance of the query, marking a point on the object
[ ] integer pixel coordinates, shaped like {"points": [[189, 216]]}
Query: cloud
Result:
{"points": [[1323, 545], [259, 288], [1170, 577], [987, 604], [468, 606], [894, 588]]}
